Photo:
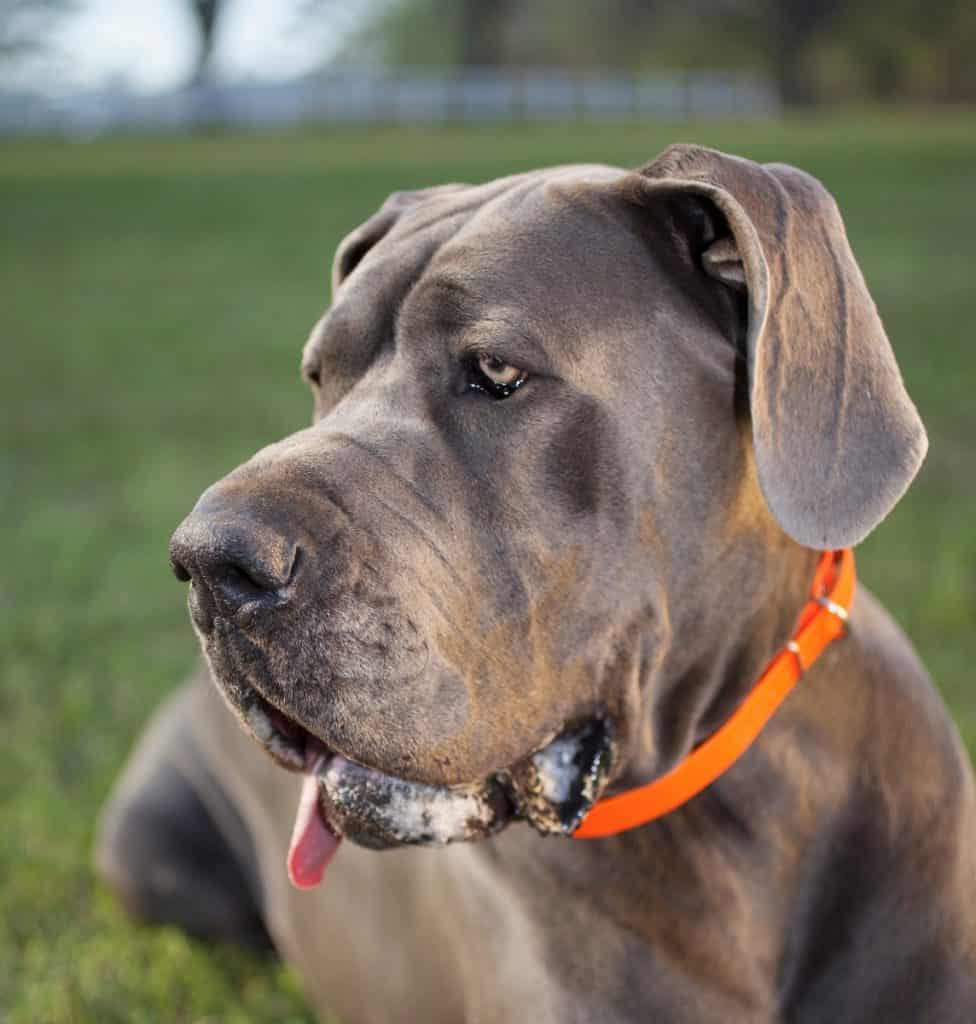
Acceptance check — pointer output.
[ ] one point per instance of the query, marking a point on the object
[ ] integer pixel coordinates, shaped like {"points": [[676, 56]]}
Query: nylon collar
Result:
{"points": [[822, 620]]}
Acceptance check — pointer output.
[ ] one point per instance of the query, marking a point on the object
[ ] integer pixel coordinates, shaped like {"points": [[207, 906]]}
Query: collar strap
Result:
{"points": [[822, 620]]}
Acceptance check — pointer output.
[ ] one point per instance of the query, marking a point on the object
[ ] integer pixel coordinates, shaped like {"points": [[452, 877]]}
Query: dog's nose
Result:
{"points": [[238, 566]]}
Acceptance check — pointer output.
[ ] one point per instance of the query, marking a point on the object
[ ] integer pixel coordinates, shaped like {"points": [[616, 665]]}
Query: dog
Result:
{"points": [[581, 437]]}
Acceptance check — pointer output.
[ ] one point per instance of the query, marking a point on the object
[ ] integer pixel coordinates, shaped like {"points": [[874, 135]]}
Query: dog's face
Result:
{"points": [[457, 596]]}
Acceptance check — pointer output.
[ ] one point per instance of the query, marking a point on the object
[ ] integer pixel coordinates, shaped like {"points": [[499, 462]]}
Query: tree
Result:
{"points": [[795, 24], [815, 50], [205, 16], [481, 26]]}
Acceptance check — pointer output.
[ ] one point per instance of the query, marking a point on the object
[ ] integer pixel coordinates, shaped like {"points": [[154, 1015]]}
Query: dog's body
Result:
{"points": [[450, 569]]}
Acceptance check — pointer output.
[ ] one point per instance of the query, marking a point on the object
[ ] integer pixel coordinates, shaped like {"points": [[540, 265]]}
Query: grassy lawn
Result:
{"points": [[155, 296]]}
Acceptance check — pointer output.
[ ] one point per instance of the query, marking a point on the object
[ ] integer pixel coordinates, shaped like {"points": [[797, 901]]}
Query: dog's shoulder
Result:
{"points": [[903, 692], [914, 763]]}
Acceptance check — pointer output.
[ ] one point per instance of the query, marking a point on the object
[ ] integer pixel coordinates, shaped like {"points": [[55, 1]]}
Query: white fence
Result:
{"points": [[409, 96]]}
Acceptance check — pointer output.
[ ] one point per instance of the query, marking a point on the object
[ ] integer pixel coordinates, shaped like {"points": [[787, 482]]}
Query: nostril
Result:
{"points": [[236, 564], [256, 569], [245, 583], [239, 586]]}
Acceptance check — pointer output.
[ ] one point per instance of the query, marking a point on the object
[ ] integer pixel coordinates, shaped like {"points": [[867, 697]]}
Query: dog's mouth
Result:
{"points": [[551, 788]]}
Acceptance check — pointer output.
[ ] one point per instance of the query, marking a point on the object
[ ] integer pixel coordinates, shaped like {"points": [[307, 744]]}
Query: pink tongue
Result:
{"points": [[313, 843]]}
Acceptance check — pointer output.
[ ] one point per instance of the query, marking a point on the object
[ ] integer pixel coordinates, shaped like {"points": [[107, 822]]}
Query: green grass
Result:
{"points": [[155, 295]]}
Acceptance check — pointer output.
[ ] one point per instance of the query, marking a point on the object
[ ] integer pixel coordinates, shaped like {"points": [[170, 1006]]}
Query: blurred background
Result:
{"points": [[174, 177], [83, 67]]}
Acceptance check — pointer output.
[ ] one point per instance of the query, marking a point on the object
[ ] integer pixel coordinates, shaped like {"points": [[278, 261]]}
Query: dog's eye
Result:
{"points": [[494, 376]]}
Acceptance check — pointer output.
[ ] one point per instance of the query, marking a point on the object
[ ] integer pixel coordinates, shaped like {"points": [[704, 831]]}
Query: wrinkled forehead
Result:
{"points": [[538, 248], [531, 254]]}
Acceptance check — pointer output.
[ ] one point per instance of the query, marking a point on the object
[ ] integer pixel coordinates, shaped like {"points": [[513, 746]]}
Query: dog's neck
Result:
{"points": [[686, 700]]}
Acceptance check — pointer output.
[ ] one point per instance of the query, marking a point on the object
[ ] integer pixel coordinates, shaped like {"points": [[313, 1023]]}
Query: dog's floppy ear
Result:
{"points": [[837, 439], [360, 240]]}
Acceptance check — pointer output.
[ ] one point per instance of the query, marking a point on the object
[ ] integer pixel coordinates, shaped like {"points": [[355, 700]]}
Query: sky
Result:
{"points": [[151, 44]]}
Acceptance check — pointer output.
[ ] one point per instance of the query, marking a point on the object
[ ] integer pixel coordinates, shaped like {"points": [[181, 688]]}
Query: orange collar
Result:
{"points": [[822, 620]]}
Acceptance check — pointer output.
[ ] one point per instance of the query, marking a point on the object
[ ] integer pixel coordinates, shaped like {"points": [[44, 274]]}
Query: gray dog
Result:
{"points": [[580, 437]]}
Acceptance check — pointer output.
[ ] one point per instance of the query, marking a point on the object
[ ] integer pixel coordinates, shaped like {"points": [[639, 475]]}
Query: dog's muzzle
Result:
{"points": [[241, 573]]}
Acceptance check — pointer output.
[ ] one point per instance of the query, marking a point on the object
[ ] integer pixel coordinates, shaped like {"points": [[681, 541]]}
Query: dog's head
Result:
{"points": [[564, 424]]}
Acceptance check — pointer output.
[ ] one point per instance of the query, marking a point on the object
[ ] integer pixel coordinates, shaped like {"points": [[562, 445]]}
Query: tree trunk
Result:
{"points": [[205, 14], [481, 32], [794, 24]]}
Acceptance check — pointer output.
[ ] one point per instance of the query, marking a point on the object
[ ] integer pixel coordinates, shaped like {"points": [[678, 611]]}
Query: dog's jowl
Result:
{"points": [[548, 625]]}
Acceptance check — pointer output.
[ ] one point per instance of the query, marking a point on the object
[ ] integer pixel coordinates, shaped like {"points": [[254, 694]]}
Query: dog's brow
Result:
{"points": [[454, 314], [459, 314], [457, 299], [452, 286], [499, 331]]}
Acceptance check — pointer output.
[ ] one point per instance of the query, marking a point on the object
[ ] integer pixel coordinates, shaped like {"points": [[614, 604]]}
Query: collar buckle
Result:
{"points": [[835, 609]]}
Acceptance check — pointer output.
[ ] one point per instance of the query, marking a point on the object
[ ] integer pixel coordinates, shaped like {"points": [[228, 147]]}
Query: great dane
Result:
{"points": [[580, 437]]}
